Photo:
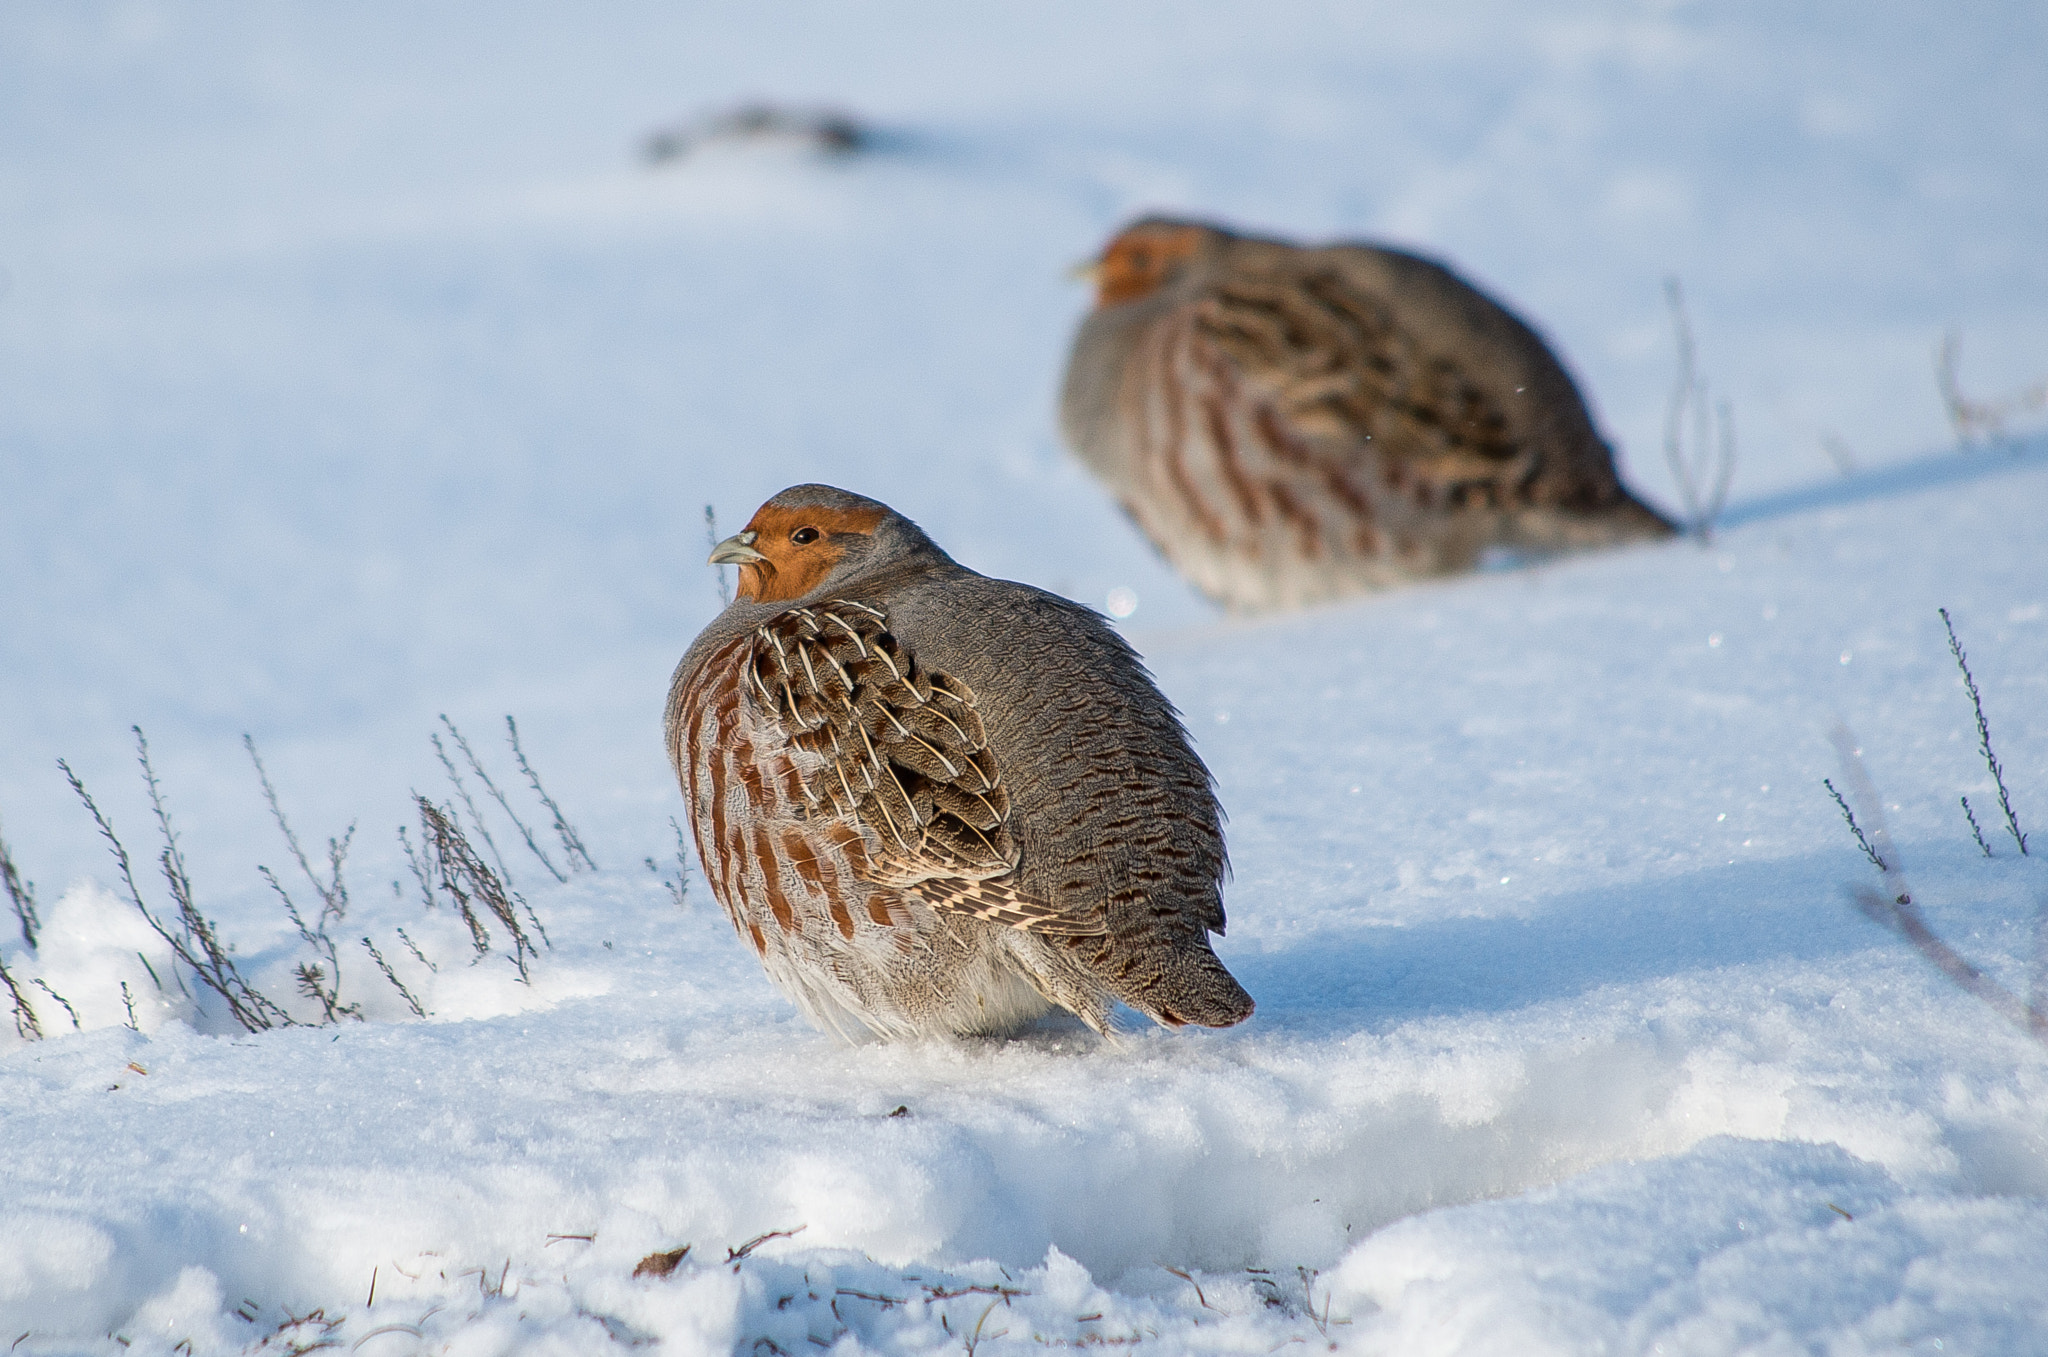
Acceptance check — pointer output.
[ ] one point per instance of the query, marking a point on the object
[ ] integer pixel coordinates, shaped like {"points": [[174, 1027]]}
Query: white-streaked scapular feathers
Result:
{"points": [[1292, 424], [901, 753], [936, 803]]}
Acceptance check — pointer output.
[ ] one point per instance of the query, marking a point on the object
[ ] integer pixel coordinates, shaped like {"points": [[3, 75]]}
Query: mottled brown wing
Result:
{"points": [[901, 755], [1337, 369]]}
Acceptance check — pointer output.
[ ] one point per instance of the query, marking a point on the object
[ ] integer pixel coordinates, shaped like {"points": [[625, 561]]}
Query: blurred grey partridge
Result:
{"points": [[1292, 424], [938, 803]]}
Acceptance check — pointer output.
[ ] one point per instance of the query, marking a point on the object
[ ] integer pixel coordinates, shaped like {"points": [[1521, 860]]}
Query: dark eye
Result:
{"points": [[803, 537]]}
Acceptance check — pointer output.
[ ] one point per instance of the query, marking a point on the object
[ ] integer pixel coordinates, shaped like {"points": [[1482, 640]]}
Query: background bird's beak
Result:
{"points": [[737, 549], [1087, 271]]}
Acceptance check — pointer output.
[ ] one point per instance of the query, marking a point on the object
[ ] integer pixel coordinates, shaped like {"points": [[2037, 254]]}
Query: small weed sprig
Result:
{"points": [[318, 982], [1971, 418], [26, 1025], [21, 894], [1894, 908], [476, 819], [679, 889], [470, 882], [1706, 470], [2012, 822], [712, 539], [475, 766], [195, 943], [572, 842]]}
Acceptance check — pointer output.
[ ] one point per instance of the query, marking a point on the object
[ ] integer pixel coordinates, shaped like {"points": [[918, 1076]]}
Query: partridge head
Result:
{"points": [[1290, 424], [937, 803]]}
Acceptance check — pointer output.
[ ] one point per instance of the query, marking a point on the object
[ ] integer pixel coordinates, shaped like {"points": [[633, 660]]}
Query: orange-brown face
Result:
{"points": [[799, 547], [1142, 260]]}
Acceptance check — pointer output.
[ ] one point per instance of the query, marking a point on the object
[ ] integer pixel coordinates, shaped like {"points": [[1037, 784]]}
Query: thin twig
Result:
{"points": [[417, 954], [734, 1255], [1955, 647], [1975, 832], [1712, 438], [572, 842], [680, 887], [392, 976], [195, 944], [26, 1025], [476, 766], [1894, 908], [712, 539], [475, 819], [1200, 1299], [44, 986], [21, 894], [419, 868], [466, 878], [1854, 828], [974, 1339], [1878, 846], [1971, 417], [333, 891]]}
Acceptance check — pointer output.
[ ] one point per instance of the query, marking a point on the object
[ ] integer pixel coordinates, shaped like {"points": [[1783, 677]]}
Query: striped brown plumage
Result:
{"points": [[1291, 424], [933, 802]]}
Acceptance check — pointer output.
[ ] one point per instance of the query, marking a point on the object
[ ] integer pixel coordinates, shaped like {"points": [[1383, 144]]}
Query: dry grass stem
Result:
{"points": [[572, 842], [476, 766], [1976, 832], [680, 887], [1699, 435], [1893, 907], [2012, 822], [26, 1025], [21, 894], [734, 1255], [195, 943], [378, 957], [711, 540], [476, 820], [63, 1003], [1970, 417], [470, 882]]}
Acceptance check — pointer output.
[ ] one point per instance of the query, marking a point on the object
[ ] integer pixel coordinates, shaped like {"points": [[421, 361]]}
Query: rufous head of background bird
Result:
{"points": [[811, 537], [1149, 255]]}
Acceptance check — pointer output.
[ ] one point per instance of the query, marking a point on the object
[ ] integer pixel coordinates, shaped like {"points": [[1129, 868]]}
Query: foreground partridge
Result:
{"points": [[1291, 424], [937, 803]]}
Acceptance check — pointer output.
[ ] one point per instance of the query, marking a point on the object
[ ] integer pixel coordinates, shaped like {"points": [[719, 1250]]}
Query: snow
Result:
{"points": [[355, 373]]}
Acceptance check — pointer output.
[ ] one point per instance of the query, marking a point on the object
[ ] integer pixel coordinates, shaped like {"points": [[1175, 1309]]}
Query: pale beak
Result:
{"points": [[737, 549], [1088, 271]]}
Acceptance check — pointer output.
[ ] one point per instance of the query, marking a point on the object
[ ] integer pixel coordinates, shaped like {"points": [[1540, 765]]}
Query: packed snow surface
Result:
{"points": [[355, 369]]}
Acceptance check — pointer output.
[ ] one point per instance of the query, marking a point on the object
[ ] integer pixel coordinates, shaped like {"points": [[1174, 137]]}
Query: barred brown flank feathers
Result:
{"points": [[941, 803], [1293, 424]]}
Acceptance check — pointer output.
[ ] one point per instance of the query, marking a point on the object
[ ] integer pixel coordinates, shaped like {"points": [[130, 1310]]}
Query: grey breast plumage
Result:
{"points": [[934, 802]]}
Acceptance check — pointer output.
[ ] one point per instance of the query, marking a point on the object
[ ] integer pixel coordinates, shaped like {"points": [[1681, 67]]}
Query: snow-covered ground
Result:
{"points": [[353, 370]]}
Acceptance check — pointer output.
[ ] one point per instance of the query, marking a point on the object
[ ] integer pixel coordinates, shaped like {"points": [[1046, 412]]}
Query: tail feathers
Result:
{"points": [[1566, 527], [1192, 987]]}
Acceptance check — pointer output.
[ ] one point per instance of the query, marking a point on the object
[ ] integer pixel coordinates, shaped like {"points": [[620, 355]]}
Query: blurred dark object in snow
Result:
{"points": [[761, 124]]}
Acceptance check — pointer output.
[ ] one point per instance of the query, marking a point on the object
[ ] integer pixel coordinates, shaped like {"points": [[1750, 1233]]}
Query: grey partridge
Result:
{"points": [[937, 803], [1293, 424]]}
